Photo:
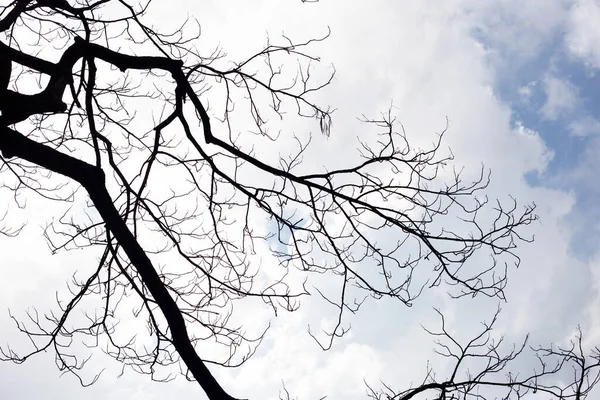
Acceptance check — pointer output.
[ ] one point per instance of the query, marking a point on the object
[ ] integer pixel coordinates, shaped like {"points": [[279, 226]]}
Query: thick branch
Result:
{"points": [[92, 179], [33, 62], [17, 107], [13, 15]]}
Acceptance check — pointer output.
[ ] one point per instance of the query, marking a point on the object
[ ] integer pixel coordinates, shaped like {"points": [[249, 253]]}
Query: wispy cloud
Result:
{"points": [[561, 98], [434, 60], [583, 32]]}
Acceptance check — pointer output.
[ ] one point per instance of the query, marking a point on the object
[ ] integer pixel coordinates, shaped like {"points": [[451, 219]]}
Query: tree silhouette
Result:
{"points": [[181, 210]]}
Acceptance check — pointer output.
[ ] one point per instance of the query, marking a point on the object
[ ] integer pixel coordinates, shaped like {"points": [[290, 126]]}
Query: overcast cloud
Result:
{"points": [[515, 81]]}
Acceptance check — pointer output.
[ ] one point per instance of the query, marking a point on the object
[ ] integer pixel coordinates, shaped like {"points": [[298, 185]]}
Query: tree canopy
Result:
{"points": [[165, 157]]}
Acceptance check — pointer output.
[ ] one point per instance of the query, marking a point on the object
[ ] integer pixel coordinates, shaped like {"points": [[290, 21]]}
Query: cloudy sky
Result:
{"points": [[518, 83]]}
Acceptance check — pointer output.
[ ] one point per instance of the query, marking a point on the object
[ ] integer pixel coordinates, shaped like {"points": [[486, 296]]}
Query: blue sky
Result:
{"points": [[519, 84], [550, 73]]}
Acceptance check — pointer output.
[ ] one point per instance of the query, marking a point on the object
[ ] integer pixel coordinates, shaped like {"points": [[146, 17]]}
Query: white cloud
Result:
{"points": [[561, 97], [583, 32], [519, 30], [422, 55], [526, 92], [585, 126]]}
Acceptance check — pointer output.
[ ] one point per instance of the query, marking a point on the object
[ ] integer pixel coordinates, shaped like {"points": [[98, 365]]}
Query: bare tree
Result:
{"points": [[181, 209], [483, 368]]}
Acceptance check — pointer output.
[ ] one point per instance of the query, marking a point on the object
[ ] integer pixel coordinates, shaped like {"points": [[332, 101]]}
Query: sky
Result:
{"points": [[518, 83]]}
